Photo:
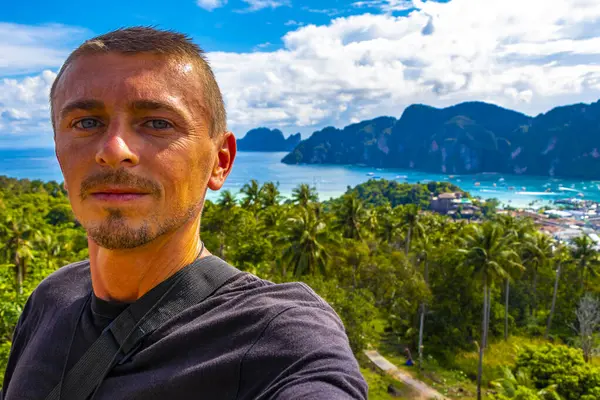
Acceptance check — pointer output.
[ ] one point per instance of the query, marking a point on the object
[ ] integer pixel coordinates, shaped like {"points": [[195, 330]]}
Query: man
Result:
{"points": [[140, 134]]}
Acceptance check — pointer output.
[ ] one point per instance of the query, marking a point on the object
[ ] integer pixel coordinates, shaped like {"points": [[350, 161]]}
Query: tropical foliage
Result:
{"points": [[395, 272]]}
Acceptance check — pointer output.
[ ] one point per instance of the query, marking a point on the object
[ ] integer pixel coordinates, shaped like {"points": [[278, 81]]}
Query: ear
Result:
{"points": [[227, 149]]}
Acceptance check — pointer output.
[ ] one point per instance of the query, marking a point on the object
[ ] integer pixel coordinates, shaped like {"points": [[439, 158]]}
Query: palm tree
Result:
{"points": [[537, 251], [304, 195], [51, 248], [227, 200], [560, 256], [18, 247], [351, 214], [304, 244], [271, 219], [586, 256], [389, 223], [423, 250], [410, 217], [521, 232], [251, 191], [488, 252], [269, 194]]}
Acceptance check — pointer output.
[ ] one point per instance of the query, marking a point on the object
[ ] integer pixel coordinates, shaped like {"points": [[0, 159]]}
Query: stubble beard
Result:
{"points": [[115, 233]]}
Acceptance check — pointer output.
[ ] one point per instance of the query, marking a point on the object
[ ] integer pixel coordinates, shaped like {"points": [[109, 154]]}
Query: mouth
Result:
{"points": [[118, 194]]}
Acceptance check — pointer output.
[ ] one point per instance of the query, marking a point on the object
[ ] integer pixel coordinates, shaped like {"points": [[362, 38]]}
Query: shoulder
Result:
{"points": [[65, 285], [49, 302], [273, 300], [301, 347], [289, 292]]}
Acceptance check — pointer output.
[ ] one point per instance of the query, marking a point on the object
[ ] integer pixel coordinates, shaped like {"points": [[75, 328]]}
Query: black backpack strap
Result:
{"points": [[189, 286]]}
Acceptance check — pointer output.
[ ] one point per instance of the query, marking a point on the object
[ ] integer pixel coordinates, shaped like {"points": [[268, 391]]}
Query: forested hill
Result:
{"points": [[264, 139], [470, 137]]}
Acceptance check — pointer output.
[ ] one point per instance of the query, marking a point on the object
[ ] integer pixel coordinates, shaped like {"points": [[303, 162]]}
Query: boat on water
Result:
{"points": [[494, 184], [477, 184], [501, 180], [511, 188], [370, 174], [523, 188], [401, 177]]}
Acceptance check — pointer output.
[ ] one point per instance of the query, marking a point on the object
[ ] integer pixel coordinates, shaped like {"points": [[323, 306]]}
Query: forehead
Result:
{"points": [[117, 78]]}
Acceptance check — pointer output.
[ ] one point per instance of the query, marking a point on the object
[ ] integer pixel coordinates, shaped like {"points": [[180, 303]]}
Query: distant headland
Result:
{"points": [[265, 139], [467, 138]]}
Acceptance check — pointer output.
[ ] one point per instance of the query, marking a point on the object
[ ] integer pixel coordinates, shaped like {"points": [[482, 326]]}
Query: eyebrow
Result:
{"points": [[85, 105], [151, 105], [139, 105]]}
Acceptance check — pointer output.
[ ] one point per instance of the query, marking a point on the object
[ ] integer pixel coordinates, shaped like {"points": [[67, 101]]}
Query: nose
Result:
{"points": [[116, 148]]}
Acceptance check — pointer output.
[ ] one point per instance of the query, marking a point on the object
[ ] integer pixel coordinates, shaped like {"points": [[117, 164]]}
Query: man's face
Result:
{"points": [[134, 147]]}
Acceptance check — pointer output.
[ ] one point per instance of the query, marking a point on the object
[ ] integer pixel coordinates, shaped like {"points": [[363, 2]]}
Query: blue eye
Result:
{"points": [[158, 124], [87, 123]]}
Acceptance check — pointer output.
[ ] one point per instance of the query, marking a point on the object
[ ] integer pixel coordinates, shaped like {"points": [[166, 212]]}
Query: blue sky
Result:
{"points": [[234, 26], [302, 65]]}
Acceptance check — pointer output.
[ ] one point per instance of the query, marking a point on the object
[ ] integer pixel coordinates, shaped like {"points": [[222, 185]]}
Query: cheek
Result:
{"points": [[68, 166], [185, 174]]}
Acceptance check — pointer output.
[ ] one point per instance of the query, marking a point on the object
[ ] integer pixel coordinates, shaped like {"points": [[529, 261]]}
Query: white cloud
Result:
{"points": [[211, 4], [385, 5], [262, 46], [24, 111], [363, 66], [327, 11], [508, 53], [255, 5], [27, 49]]}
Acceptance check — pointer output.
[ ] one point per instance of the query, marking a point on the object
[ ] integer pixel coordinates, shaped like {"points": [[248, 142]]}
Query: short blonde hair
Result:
{"points": [[171, 44]]}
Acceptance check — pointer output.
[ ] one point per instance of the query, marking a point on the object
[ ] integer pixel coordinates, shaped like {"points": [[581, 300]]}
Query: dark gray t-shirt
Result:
{"points": [[251, 339]]}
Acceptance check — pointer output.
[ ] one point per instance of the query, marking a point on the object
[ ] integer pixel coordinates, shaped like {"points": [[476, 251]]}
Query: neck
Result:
{"points": [[126, 275]]}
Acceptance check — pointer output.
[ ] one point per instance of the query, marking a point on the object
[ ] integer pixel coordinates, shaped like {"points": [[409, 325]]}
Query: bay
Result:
{"points": [[333, 180]]}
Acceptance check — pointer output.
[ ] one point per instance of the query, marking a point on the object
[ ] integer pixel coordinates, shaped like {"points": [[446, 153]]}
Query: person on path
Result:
{"points": [[140, 135]]}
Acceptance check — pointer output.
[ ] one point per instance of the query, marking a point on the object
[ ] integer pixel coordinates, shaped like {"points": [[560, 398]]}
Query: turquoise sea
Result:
{"points": [[332, 180]]}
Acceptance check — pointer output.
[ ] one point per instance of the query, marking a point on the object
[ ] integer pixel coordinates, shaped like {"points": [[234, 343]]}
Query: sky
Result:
{"points": [[300, 66]]}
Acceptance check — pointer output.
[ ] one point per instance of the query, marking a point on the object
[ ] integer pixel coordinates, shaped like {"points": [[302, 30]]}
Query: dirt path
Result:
{"points": [[426, 392]]}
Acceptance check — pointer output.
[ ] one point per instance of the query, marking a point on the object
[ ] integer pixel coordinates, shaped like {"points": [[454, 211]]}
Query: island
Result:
{"points": [[467, 138], [265, 139]]}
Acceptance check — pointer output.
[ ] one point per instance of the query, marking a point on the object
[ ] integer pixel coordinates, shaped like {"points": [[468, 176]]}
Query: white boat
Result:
{"points": [[370, 174]]}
